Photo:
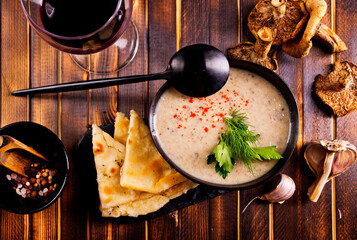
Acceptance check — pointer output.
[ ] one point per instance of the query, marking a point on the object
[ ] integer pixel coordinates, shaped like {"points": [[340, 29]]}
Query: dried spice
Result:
{"points": [[210, 108], [40, 181]]}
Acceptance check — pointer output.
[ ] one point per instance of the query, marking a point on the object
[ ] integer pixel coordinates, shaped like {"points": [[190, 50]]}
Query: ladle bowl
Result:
{"points": [[197, 70]]}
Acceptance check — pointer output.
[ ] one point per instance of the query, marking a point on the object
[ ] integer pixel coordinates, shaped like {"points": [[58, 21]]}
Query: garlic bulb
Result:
{"points": [[282, 187], [328, 159]]}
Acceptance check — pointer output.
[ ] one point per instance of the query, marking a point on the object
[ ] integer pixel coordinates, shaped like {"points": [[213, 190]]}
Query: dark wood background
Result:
{"points": [[164, 27]]}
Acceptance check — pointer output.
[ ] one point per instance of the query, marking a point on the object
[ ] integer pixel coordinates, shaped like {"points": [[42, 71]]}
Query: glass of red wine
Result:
{"points": [[99, 35]]}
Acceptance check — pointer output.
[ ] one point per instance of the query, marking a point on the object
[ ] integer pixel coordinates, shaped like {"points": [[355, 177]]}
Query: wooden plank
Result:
{"points": [[74, 123], [255, 220], [45, 111], [223, 32], [303, 214], [14, 75], [195, 221], [162, 45], [134, 96], [162, 38], [346, 212], [195, 29], [223, 216], [307, 220], [195, 20], [103, 106]]}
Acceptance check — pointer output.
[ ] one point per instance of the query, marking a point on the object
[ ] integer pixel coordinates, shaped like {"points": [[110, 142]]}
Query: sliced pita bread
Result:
{"points": [[115, 200], [109, 156], [144, 169], [121, 128]]}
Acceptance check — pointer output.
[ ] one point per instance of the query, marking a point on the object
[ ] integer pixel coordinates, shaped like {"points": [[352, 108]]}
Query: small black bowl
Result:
{"points": [[276, 81], [48, 144]]}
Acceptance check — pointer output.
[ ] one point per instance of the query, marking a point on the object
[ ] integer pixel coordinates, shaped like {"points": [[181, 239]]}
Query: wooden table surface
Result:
{"points": [[164, 27]]}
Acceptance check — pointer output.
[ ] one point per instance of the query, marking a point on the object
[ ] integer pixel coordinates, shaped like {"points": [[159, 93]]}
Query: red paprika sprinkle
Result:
{"points": [[206, 129]]}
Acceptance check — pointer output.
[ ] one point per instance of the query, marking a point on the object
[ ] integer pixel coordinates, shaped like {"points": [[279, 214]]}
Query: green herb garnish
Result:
{"points": [[236, 143]]}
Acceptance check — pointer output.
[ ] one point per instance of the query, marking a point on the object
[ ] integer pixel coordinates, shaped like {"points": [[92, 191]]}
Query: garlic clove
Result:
{"points": [[343, 162], [283, 187], [315, 154], [327, 159]]}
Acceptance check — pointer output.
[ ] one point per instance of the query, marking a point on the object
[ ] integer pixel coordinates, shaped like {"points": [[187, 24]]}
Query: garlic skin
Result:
{"points": [[328, 159], [283, 190]]}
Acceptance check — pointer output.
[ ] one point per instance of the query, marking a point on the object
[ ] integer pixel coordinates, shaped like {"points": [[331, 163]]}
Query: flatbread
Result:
{"points": [[144, 169], [109, 156], [121, 128], [115, 200], [149, 203]]}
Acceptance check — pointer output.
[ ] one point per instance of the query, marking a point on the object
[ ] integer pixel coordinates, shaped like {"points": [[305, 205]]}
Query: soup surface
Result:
{"points": [[188, 128]]}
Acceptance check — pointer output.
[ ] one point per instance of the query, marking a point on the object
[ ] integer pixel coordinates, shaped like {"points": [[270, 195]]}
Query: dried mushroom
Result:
{"points": [[339, 88], [328, 159], [285, 18], [300, 47], [329, 38], [259, 52]]}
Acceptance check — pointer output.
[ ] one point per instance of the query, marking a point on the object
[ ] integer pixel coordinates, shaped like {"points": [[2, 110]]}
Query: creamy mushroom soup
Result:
{"points": [[188, 128]]}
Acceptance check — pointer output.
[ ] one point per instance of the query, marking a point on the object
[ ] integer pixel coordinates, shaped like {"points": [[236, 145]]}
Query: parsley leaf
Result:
{"points": [[267, 153], [235, 144]]}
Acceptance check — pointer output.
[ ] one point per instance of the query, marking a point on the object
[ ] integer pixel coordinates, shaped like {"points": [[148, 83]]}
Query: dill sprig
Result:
{"points": [[236, 143]]}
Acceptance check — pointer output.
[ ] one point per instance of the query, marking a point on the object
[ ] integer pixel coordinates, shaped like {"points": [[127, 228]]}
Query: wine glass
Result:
{"points": [[99, 35]]}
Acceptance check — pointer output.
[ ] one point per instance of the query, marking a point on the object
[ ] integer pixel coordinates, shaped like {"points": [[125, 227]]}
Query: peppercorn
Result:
{"points": [[43, 182], [24, 180], [36, 184]]}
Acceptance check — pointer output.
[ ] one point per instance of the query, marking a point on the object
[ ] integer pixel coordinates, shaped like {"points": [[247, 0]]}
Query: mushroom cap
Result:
{"points": [[245, 51], [339, 89], [287, 20]]}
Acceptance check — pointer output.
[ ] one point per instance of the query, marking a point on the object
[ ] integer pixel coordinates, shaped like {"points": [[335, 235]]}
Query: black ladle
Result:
{"points": [[197, 70]]}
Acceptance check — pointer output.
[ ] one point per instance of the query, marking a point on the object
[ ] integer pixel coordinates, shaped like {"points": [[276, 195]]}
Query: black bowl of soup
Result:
{"points": [[45, 181], [185, 129]]}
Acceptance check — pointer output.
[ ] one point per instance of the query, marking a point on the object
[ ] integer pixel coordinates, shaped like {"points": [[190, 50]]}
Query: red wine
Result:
{"points": [[75, 21], [73, 18]]}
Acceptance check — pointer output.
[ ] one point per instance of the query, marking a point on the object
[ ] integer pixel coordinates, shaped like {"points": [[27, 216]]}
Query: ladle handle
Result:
{"points": [[98, 83]]}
